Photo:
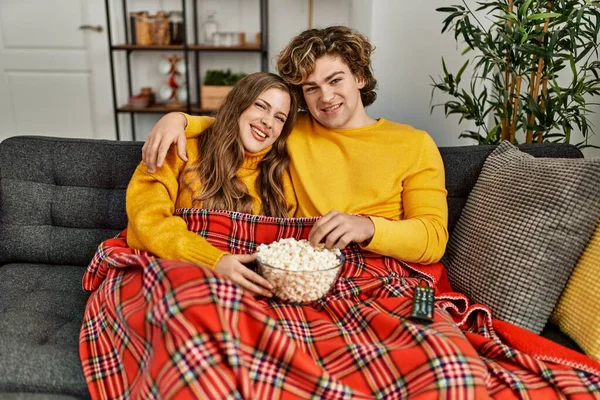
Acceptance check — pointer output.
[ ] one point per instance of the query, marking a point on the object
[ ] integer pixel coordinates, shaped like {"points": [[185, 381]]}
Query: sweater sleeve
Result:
{"points": [[195, 125], [150, 204], [422, 233]]}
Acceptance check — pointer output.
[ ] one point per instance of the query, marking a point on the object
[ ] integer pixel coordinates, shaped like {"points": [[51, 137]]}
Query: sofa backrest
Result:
{"points": [[59, 198], [463, 165]]}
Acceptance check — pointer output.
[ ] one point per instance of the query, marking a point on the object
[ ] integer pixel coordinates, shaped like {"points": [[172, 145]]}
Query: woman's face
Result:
{"points": [[261, 123]]}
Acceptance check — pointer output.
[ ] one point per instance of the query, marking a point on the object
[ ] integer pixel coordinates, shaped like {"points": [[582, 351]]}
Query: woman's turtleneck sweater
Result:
{"points": [[153, 198]]}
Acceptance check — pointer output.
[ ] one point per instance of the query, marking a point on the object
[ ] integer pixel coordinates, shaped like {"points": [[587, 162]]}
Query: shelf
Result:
{"points": [[193, 47], [191, 50], [153, 47], [161, 109], [206, 47]]}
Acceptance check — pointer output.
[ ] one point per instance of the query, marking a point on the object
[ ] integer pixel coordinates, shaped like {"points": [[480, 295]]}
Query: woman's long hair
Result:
{"points": [[221, 154]]}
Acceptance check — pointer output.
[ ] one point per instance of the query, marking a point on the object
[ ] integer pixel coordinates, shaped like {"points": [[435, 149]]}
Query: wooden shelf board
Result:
{"points": [[205, 47], [159, 108], [191, 47], [170, 47]]}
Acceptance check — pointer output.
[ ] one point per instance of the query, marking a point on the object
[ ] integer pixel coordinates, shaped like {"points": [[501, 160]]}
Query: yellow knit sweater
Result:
{"points": [[152, 199], [389, 171]]}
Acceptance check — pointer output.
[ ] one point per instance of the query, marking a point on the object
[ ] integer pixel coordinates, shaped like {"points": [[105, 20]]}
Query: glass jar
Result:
{"points": [[176, 27], [210, 28], [161, 34], [143, 28], [132, 26]]}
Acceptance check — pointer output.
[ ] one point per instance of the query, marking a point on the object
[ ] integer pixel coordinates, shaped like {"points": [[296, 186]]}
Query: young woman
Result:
{"points": [[239, 162]]}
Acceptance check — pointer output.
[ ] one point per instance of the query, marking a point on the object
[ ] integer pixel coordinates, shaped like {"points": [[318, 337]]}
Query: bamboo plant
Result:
{"points": [[535, 69]]}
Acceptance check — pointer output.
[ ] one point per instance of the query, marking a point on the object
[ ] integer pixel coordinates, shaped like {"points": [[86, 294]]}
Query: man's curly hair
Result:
{"points": [[297, 60]]}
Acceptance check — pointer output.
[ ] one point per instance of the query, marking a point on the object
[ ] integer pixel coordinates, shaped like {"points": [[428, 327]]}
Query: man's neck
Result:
{"points": [[361, 120]]}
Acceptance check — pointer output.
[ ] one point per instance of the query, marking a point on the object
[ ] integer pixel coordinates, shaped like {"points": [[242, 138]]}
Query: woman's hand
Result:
{"points": [[230, 266], [168, 130], [338, 229]]}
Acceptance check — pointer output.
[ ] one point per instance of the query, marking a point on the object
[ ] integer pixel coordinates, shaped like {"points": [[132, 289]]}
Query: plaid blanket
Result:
{"points": [[155, 328]]}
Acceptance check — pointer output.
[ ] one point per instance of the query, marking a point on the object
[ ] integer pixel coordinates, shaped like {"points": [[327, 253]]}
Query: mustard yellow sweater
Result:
{"points": [[152, 199], [389, 171]]}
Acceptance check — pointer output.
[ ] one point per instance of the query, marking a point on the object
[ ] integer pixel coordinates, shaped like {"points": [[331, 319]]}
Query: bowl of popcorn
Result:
{"points": [[299, 272]]}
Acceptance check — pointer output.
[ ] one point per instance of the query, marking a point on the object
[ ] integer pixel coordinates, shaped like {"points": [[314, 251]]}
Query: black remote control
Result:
{"points": [[422, 307]]}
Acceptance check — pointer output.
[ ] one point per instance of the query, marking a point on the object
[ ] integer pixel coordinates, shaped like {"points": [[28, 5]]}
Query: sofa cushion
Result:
{"points": [[577, 310], [35, 396], [61, 197], [41, 309], [463, 165], [525, 224]]}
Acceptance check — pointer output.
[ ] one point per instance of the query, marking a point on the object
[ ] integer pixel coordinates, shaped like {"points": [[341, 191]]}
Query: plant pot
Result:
{"points": [[213, 96]]}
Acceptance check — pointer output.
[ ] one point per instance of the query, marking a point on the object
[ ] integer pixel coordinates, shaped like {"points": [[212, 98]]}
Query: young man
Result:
{"points": [[377, 183]]}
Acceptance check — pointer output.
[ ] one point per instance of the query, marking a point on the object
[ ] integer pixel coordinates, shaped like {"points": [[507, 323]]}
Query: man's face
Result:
{"points": [[332, 94]]}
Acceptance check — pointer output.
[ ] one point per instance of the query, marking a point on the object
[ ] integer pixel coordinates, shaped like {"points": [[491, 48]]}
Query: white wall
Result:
{"points": [[407, 36], [409, 47], [290, 17], [361, 16]]}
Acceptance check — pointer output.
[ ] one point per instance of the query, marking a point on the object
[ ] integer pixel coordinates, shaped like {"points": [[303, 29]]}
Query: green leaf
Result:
{"points": [[523, 8], [446, 9], [444, 66], [578, 20], [535, 17], [573, 68], [460, 71], [532, 49], [222, 77], [493, 133], [571, 42]]}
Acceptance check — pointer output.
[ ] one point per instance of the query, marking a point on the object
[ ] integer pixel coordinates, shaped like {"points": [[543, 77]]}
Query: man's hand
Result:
{"points": [[168, 130], [338, 229], [230, 266]]}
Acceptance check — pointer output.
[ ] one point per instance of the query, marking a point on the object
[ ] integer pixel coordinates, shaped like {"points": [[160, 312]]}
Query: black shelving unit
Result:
{"points": [[193, 48]]}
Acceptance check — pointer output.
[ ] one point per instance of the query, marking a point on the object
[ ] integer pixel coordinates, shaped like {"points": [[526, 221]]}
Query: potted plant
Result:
{"points": [[535, 69], [217, 83]]}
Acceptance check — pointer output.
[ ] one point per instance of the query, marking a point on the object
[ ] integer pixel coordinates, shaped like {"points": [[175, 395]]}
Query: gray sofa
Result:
{"points": [[59, 198]]}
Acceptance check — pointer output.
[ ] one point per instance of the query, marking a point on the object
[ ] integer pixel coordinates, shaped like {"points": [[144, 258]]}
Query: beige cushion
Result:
{"points": [[524, 226]]}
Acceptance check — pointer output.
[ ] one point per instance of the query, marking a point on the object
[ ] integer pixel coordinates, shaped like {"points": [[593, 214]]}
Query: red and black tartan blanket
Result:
{"points": [[155, 328]]}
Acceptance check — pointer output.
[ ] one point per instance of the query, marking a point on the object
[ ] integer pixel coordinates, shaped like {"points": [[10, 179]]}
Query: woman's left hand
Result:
{"points": [[232, 267], [338, 229]]}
